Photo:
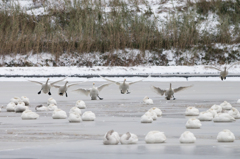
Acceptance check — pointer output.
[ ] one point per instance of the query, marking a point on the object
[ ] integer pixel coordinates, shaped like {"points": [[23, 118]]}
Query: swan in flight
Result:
{"points": [[93, 92], [224, 72], [123, 86], [46, 86], [169, 93]]}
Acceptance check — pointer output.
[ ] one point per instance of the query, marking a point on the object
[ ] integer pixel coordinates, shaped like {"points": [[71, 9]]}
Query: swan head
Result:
{"points": [[124, 80], [48, 79], [225, 68], [93, 83]]}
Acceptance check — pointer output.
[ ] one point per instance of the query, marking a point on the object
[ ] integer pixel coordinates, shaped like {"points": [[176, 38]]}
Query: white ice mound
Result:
{"points": [[11, 107], [111, 138], [223, 117], [218, 108], [226, 105], [74, 117], [41, 108], [29, 115], [25, 100], [238, 101], [156, 110], [155, 137], [225, 136], [205, 116], [129, 138], [76, 110], [59, 114], [147, 100], [88, 116], [20, 107], [146, 119], [80, 104], [187, 137], [191, 111], [152, 114], [51, 101], [52, 107], [213, 111], [15, 100], [193, 123], [234, 113]]}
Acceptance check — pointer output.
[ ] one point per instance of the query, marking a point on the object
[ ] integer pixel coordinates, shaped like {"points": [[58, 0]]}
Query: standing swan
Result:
{"points": [[94, 91], [63, 89], [170, 92], [46, 86]]}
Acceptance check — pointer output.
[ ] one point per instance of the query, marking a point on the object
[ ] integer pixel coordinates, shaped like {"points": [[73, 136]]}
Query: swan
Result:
{"points": [[224, 72], [169, 93], [129, 138], [191, 111], [59, 114], [155, 137], [88, 116], [234, 113], [156, 110], [74, 117], [80, 104], [146, 119], [205, 116], [76, 110], [226, 105], [123, 86], [93, 92], [223, 117], [225, 136], [25, 100], [11, 107], [193, 123], [52, 107], [213, 111], [152, 114], [20, 107], [51, 101], [29, 115], [218, 108], [46, 86], [63, 89], [147, 100], [15, 100], [41, 108], [111, 138], [187, 137]]}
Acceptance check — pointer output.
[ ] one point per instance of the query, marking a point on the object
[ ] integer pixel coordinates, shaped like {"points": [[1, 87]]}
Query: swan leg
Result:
{"points": [[174, 97], [49, 93], [122, 92], [39, 92], [221, 78], [225, 78], [66, 94], [128, 92], [100, 98]]}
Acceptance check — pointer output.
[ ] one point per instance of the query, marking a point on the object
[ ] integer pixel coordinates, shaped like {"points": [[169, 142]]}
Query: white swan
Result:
{"points": [[111, 138], [225, 136], [205, 116], [223, 117], [226, 105], [52, 107], [129, 138], [76, 110], [187, 137], [146, 119], [20, 107], [218, 108], [88, 116], [193, 123], [80, 104], [59, 114], [51, 101], [63, 89], [156, 110], [41, 108], [16, 100], [155, 137], [11, 107], [25, 100], [93, 92], [147, 100], [152, 114], [234, 113], [169, 93], [29, 115], [46, 86], [213, 111], [191, 111], [74, 117]]}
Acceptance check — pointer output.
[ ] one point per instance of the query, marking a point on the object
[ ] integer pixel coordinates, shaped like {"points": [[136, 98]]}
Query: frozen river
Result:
{"points": [[48, 138]]}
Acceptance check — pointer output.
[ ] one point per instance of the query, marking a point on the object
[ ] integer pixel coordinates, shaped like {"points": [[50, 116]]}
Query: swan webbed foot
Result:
{"points": [[60, 94], [49, 93], [174, 98], [128, 92], [39, 92], [221, 78], [100, 98], [167, 98], [66, 94], [122, 92], [225, 78]]}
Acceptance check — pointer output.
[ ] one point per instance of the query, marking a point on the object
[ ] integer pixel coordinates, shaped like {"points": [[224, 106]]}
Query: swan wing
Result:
{"points": [[235, 63], [36, 82], [130, 83], [181, 88], [58, 81], [118, 83], [158, 90], [83, 91], [212, 67], [56, 86], [102, 86]]}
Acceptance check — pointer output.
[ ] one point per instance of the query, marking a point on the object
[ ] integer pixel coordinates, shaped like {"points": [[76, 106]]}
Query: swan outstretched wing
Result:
{"points": [[181, 88], [56, 86], [102, 86], [158, 90], [130, 83], [212, 67], [36, 82], [83, 91], [73, 84], [118, 83], [235, 63], [58, 81]]}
